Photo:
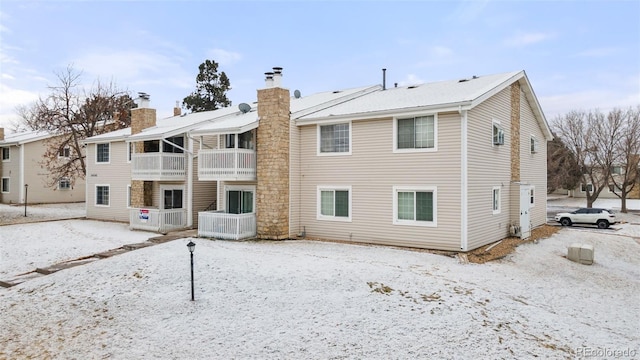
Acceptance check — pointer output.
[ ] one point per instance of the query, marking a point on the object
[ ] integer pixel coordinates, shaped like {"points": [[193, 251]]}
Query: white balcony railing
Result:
{"points": [[227, 164], [158, 166], [222, 225], [158, 220]]}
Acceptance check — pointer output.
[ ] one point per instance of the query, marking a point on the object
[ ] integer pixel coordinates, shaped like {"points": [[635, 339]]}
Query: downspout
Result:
{"points": [[21, 182], [464, 182], [189, 182]]}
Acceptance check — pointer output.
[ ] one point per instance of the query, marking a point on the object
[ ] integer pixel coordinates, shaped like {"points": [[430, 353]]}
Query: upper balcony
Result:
{"points": [[158, 166], [227, 164]]}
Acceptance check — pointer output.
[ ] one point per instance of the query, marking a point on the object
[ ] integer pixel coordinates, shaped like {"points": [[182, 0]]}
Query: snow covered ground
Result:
{"points": [[14, 214], [314, 300]]}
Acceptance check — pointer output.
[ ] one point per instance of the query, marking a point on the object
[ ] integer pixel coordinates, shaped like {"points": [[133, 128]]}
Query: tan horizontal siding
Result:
{"points": [[533, 167], [372, 170], [488, 166], [11, 170], [116, 174]]}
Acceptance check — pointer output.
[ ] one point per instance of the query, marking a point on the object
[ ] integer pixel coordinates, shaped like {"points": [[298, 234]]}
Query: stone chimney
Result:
{"points": [[272, 198], [176, 110], [142, 117]]}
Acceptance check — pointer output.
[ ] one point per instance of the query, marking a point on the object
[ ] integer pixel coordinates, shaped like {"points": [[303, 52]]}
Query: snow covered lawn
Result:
{"points": [[313, 300], [26, 247]]}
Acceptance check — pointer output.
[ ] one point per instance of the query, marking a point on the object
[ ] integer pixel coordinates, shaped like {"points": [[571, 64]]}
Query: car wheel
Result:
{"points": [[565, 222], [603, 224]]}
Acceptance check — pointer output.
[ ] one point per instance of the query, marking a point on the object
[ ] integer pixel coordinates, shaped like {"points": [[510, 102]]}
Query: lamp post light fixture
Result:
{"points": [[192, 246]]}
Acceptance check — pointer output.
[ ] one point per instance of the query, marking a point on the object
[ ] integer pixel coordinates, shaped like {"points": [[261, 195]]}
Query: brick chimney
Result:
{"points": [[272, 198], [176, 110], [142, 117]]}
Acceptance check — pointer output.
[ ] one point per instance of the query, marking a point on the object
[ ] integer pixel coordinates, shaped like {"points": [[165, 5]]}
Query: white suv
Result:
{"points": [[601, 217]]}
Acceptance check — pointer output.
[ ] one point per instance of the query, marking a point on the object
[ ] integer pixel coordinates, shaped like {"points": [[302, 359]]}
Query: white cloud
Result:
{"points": [[524, 39], [587, 100], [10, 98], [411, 79], [224, 57]]}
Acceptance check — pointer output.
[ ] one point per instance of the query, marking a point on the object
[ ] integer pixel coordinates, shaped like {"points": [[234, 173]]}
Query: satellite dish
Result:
{"points": [[244, 107], [297, 94]]}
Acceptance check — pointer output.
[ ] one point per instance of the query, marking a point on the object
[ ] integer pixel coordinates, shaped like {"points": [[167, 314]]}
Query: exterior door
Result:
{"points": [[525, 207]]}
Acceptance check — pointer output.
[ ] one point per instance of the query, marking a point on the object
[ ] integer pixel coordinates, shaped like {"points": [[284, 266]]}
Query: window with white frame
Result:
{"points": [[533, 143], [172, 198], [103, 151], [334, 139], [414, 206], [6, 154], [496, 199], [334, 203], [64, 184], [128, 196], [64, 152], [616, 170], [498, 133], [583, 187], [5, 184], [102, 195], [418, 133], [240, 199]]}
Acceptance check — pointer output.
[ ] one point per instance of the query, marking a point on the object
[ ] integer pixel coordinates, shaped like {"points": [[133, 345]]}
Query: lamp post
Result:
{"points": [[26, 188], [192, 246]]}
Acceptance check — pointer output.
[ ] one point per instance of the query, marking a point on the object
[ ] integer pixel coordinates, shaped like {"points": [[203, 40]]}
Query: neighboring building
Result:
{"points": [[22, 154], [451, 165], [617, 172]]}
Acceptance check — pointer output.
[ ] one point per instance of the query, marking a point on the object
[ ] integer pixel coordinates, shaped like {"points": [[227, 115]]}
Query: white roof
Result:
{"points": [[437, 94], [239, 122], [176, 125], [24, 137], [110, 136]]}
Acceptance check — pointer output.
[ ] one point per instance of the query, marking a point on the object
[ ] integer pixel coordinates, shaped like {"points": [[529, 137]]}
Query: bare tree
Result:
{"points": [[627, 150], [591, 137], [563, 171], [72, 114]]}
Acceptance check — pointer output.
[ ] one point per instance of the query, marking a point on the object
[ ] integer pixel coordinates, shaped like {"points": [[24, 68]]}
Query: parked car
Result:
{"points": [[601, 217]]}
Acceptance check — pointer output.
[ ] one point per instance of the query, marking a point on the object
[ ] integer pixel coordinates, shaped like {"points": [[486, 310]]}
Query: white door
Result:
{"points": [[525, 205]]}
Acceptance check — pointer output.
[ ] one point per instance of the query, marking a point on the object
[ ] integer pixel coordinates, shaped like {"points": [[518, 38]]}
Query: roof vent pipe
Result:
{"points": [[143, 99], [268, 80], [384, 79], [395, 84], [277, 76]]}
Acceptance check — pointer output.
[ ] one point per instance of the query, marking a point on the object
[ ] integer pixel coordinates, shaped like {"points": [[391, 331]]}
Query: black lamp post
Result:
{"points": [[26, 188], [192, 246]]}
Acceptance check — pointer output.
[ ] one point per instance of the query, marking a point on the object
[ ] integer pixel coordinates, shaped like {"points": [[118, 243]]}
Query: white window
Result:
{"points": [[240, 199], [64, 152], [6, 154], [334, 203], [496, 200], [415, 134], [583, 188], [533, 142], [102, 195], [5, 184], [616, 170], [103, 152], [128, 196], [172, 198], [415, 206], [64, 184], [498, 133], [334, 139], [532, 197]]}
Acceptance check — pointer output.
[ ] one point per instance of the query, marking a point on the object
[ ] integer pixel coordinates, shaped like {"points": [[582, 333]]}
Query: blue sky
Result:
{"points": [[577, 54]]}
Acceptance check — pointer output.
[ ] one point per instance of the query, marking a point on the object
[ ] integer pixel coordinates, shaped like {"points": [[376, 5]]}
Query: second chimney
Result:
{"points": [[176, 110]]}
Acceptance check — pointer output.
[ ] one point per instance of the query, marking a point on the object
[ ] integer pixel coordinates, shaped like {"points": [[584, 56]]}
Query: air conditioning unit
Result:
{"points": [[581, 253]]}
